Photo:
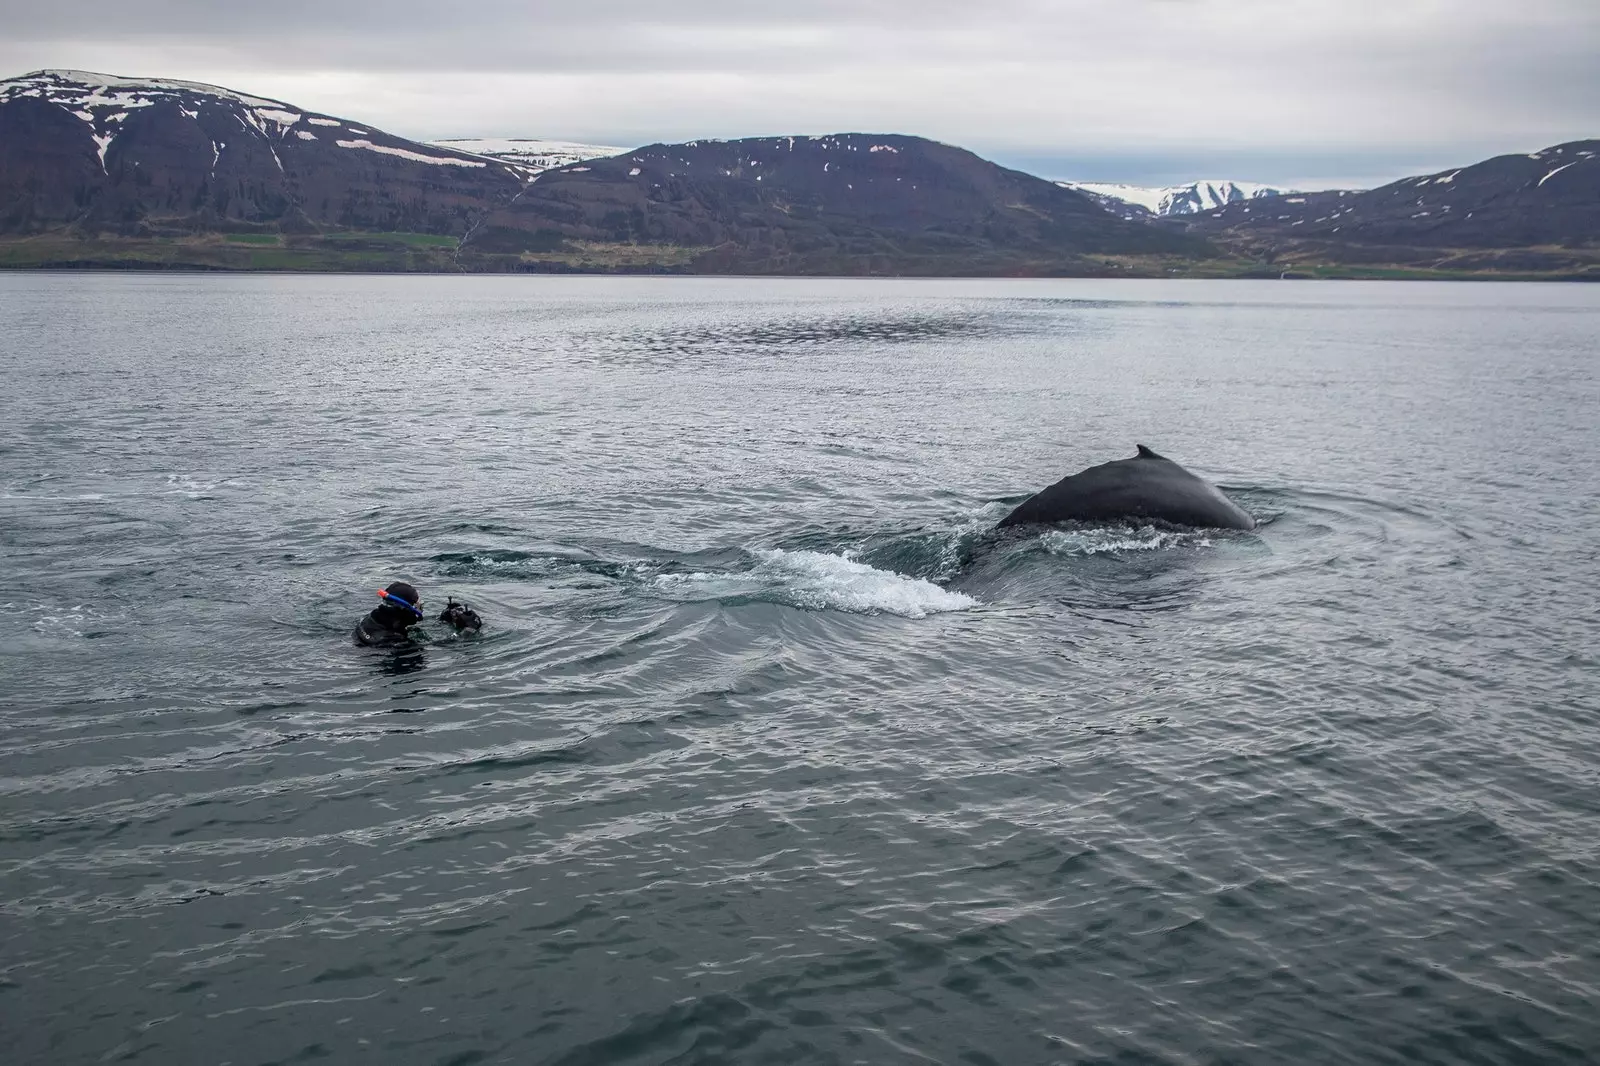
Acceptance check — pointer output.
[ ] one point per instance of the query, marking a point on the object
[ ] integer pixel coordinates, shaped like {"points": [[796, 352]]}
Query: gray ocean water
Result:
{"points": [[769, 753]]}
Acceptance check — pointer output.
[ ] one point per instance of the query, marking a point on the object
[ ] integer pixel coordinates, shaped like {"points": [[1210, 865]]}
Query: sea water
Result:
{"points": [[770, 751]]}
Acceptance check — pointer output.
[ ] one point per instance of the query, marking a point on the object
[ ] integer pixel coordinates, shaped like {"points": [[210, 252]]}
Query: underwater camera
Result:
{"points": [[461, 616]]}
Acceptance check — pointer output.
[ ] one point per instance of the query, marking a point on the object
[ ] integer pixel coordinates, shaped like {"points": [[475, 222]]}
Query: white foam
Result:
{"points": [[819, 581], [1106, 541], [56, 620]]}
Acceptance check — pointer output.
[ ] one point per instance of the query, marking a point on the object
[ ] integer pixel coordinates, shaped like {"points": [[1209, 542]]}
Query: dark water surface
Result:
{"points": [[769, 754]]}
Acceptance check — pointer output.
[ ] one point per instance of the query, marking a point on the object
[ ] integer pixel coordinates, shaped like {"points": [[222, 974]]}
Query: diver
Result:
{"points": [[390, 622]]}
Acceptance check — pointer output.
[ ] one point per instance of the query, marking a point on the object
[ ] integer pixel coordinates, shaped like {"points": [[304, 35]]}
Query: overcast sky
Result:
{"points": [[1311, 93]]}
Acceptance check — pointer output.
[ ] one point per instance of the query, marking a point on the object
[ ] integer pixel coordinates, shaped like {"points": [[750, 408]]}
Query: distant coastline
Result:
{"points": [[380, 256]]}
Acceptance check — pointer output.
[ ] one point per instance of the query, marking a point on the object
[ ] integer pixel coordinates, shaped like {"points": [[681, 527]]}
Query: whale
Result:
{"points": [[1146, 488]]}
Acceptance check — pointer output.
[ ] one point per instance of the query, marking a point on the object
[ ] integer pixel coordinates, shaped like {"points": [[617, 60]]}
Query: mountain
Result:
{"points": [[97, 170], [1142, 201], [1539, 211], [147, 157], [532, 156], [846, 203]]}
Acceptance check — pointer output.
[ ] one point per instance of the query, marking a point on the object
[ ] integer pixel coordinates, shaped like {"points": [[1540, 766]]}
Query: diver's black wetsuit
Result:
{"points": [[385, 625]]}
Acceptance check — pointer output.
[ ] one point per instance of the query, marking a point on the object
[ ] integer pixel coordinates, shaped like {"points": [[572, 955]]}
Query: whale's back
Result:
{"points": [[1147, 487]]}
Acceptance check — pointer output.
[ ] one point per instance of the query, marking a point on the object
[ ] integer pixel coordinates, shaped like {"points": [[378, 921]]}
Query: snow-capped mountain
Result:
{"points": [[532, 155], [1141, 201], [104, 103], [147, 156]]}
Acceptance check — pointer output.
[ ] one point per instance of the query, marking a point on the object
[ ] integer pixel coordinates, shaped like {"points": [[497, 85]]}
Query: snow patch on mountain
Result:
{"points": [[415, 157], [1138, 200], [105, 99], [58, 85], [529, 155], [103, 102]]}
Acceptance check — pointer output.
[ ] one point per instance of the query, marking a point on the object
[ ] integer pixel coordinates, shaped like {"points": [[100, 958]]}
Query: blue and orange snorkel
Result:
{"points": [[390, 598]]}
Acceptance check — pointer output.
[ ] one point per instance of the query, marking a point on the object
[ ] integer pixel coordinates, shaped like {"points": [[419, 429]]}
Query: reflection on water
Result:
{"points": [[405, 659]]}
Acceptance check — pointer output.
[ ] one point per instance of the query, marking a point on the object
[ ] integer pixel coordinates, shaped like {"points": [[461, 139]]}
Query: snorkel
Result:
{"points": [[396, 601]]}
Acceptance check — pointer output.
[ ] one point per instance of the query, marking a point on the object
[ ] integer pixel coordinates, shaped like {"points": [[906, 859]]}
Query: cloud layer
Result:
{"points": [[1308, 91]]}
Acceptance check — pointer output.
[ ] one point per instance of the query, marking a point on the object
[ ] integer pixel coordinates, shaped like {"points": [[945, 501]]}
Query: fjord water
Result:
{"points": [[770, 753]]}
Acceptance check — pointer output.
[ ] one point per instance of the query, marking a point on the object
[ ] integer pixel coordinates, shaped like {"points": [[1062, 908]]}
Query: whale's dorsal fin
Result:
{"points": [[1146, 453]]}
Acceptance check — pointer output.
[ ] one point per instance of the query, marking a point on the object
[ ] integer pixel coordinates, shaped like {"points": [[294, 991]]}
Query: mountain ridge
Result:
{"points": [[135, 156], [86, 155], [1535, 210], [832, 203]]}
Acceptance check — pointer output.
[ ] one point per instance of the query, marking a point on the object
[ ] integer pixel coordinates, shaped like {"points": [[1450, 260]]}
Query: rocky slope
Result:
{"points": [[104, 154], [847, 203], [1535, 211]]}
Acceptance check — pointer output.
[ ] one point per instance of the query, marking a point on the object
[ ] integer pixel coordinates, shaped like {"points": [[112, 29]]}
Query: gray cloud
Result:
{"points": [[1293, 85]]}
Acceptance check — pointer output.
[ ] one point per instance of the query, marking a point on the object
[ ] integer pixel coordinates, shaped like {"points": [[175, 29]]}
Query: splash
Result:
{"points": [[832, 582], [818, 581]]}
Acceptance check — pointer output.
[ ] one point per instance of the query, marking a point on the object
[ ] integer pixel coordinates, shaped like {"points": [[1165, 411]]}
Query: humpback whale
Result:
{"points": [[1148, 487]]}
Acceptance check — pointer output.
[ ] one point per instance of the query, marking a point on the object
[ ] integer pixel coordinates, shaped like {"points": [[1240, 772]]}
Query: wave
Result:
{"points": [[490, 561], [86, 497], [130, 488], [86, 621]]}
